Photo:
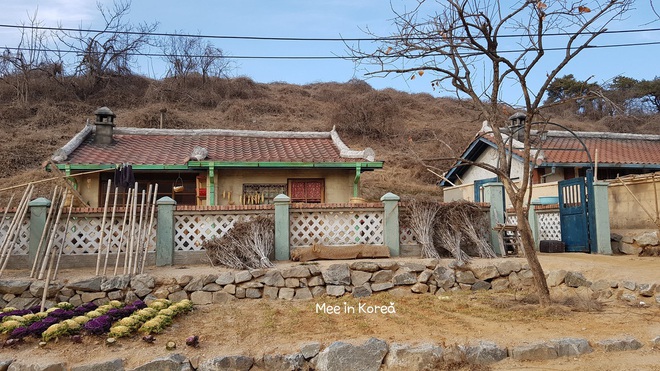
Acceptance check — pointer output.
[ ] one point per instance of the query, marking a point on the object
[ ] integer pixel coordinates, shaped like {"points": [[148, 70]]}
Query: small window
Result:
{"points": [[261, 194], [307, 190]]}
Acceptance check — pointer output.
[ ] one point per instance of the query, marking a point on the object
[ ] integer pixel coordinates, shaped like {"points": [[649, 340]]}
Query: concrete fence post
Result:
{"points": [[391, 230], [38, 212], [602, 219], [165, 231], [282, 247], [533, 219], [494, 194]]}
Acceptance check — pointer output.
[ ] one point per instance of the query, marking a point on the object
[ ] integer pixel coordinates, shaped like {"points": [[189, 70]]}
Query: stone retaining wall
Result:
{"points": [[307, 281]]}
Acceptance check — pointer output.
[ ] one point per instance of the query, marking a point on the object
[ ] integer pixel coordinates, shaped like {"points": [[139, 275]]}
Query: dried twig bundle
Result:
{"points": [[247, 245], [421, 216], [451, 240]]}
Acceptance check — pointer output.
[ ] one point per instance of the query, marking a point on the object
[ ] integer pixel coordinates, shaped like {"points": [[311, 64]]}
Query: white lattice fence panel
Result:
{"points": [[549, 226], [193, 229], [22, 240], [511, 219], [407, 236], [336, 228]]}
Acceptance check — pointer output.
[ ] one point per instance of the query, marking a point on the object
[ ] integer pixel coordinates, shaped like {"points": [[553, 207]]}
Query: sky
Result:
{"points": [[323, 19]]}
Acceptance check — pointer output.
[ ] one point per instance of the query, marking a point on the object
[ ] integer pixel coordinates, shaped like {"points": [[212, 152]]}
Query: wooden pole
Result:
{"points": [[53, 232], [132, 233], [655, 195], [64, 238], [15, 228], [44, 233], [123, 231], [149, 229], [144, 227], [105, 213], [51, 179], [4, 215], [654, 220], [112, 227], [139, 235]]}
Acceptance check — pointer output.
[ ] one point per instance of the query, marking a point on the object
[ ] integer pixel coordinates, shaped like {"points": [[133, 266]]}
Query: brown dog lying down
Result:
{"points": [[322, 252]]}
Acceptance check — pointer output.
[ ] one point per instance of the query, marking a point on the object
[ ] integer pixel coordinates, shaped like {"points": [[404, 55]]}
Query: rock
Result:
{"points": [[629, 249], [601, 285], [221, 297], [405, 357], [318, 291], [310, 350], [465, 277], [23, 303], [225, 278], [178, 296], [647, 289], [425, 276], [337, 274], [615, 237], [273, 278], [340, 356], [412, 267], [420, 288], [655, 342], [119, 295], [480, 285], [172, 362], [382, 276], [314, 269], [315, 281], [270, 292], [212, 287], [33, 365], [381, 286], [252, 293], [364, 266], [627, 239], [362, 291], [298, 271], [618, 345], [576, 279], [229, 363], [499, 284], [485, 353], [286, 293], [534, 352], [629, 285], [404, 277], [359, 278], [230, 289], [256, 273], [15, 287], [37, 289], [291, 362], [292, 282], [303, 293], [184, 280], [647, 239], [485, 273], [630, 298], [251, 285], [556, 278], [400, 291], [242, 276], [92, 284], [335, 290], [201, 297], [142, 284], [584, 293], [91, 296], [444, 277], [240, 293], [506, 266], [116, 283], [571, 347], [388, 265]]}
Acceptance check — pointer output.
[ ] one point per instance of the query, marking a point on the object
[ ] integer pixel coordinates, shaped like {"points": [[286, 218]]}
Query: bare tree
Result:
{"points": [[188, 55], [478, 48]]}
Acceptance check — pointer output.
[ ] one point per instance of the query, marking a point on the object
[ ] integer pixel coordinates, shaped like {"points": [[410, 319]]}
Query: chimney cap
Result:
{"points": [[105, 112], [518, 115]]}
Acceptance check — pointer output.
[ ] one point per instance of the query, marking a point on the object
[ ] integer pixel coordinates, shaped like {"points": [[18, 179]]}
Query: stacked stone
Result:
{"points": [[645, 243]]}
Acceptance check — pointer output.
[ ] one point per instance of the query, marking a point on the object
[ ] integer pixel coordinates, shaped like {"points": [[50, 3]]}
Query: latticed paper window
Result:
{"points": [[261, 194], [307, 190]]}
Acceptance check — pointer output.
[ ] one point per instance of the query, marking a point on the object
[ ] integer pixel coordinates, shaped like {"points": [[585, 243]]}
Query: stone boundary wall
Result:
{"points": [[307, 281], [373, 355]]}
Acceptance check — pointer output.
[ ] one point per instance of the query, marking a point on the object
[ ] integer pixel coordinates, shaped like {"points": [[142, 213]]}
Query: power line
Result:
{"points": [[273, 38]]}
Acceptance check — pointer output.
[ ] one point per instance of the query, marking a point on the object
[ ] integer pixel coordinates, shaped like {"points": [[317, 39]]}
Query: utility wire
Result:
{"points": [[272, 38]]}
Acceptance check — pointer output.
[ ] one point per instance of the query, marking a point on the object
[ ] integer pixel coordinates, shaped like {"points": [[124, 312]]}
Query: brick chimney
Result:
{"points": [[104, 125]]}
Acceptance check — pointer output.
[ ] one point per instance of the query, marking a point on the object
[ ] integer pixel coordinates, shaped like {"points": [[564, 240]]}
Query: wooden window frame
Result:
{"points": [[290, 181]]}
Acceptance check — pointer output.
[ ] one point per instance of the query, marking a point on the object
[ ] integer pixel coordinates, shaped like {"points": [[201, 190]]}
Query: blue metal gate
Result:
{"points": [[574, 213]]}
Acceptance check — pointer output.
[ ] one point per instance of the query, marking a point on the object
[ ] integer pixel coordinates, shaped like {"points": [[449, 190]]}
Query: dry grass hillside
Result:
{"points": [[402, 128]]}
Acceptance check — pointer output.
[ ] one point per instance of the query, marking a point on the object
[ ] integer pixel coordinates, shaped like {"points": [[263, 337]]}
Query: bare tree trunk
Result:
{"points": [[530, 254]]}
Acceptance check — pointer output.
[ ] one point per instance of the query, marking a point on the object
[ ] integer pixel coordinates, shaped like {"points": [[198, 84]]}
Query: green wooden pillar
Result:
{"points": [[494, 194], [38, 213], [282, 247], [602, 219], [391, 233], [165, 231], [211, 190], [533, 219]]}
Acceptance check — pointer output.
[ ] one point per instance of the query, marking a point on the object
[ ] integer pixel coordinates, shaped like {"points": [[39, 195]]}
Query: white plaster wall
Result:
{"points": [[489, 156]]}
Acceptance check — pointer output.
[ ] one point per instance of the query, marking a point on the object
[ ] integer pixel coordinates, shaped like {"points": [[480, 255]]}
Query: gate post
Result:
{"points": [[494, 194], [165, 231], [391, 232], [533, 219], [282, 230], [601, 219]]}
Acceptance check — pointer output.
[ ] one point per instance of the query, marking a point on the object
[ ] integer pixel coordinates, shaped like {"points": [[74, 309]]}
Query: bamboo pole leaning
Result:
{"points": [[50, 253], [15, 227], [64, 238], [132, 232], [139, 235], [4, 215], [105, 213], [44, 233], [123, 231], [143, 229], [150, 227], [53, 233], [110, 234]]}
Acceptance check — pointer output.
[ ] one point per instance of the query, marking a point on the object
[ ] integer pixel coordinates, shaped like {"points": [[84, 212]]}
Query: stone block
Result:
{"points": [[201, 297], [242, 276], [337, 274], [359, 278], [576, 279], [406, 357], [465, 277], [298, 271], [340, 356], [381, 286], [486, 272], [362, 291], [273, 278], [286, 293], [364, 266], [252, 293], [485, 353], [619, 345], [533, 352], [303, 293], [271, 292], [221, 297], [404, 277], [225, 278], [382, 276], [335, 290]]}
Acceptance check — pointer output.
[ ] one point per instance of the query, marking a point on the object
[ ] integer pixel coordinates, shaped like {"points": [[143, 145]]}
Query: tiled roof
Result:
{"points": [[612, 150], [171, 147]]}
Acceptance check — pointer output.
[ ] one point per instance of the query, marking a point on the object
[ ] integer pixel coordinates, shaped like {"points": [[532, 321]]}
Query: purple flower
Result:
{"points": [[99, 325], [34, 309], [38, 328], [50, 320], [139, 304], [19, 333], [130, 309]]}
